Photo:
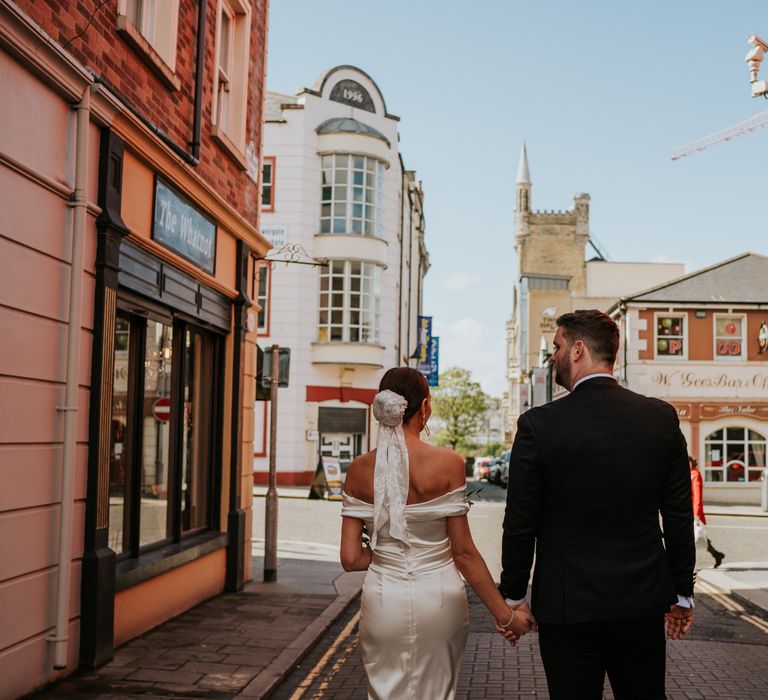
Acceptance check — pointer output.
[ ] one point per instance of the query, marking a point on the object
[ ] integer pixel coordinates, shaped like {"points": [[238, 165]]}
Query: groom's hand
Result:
{"points": [[522, 623], [679, 621]]}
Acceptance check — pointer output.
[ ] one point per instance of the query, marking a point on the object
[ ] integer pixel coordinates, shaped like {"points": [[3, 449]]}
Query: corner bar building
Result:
{"points": [[130, 201]]}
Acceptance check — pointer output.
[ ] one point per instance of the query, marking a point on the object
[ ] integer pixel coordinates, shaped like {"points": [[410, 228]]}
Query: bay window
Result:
{"points": [[352, 195], [350, 302]]}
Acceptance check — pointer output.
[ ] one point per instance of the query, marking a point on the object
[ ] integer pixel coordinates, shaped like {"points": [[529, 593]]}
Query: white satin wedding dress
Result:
{"points": [[414, 621]]}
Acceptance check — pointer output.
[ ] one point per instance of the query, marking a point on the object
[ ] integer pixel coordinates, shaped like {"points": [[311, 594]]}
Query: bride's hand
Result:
{"points": [[521, 622]]}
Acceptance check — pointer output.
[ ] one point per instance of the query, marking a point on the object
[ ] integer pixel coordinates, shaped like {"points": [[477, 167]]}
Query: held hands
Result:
{"points": [[520, 622], [679, 621]]}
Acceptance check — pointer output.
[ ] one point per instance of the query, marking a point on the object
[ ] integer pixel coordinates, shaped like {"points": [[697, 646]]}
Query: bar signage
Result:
{"points": [[182, 228]]}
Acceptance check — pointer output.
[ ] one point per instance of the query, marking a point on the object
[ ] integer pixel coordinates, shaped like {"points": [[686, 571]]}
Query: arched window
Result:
{"points": [[734, 454]]}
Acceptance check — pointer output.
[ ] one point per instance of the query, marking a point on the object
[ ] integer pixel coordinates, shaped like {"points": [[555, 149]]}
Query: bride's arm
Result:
{"points": [[474, 569], [354, 555]]}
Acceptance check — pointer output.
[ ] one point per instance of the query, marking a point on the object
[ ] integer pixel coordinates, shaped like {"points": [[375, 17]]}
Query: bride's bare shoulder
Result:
{"points": [[359, 479], [452, 463]]}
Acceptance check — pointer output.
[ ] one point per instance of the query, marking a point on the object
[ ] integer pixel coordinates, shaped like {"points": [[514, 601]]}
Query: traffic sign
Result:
{"points": [[161, 409]]}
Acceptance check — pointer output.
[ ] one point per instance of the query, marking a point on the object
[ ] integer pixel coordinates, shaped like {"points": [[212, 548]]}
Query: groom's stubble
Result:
{"points": [[562, 365]]}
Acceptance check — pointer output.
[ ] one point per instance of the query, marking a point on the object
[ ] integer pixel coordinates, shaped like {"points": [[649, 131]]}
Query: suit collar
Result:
{"points": [[596, 381]]}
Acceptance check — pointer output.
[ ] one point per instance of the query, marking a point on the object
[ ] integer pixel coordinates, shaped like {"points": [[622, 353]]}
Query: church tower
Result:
{"points": [[523, 200], [551, 273]]}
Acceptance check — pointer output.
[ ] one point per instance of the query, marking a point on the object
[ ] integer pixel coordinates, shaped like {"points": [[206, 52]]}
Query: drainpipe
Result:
{"points": [[625, 314], [402, 264], [79, 204], [197, 117]]}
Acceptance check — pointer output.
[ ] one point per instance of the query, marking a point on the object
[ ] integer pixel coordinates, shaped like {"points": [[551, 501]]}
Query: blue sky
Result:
{"points": [[601, 92]]}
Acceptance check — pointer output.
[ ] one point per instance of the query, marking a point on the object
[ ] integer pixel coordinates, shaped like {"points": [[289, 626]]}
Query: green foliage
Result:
{"points": [[494, 449], [460, 403]]}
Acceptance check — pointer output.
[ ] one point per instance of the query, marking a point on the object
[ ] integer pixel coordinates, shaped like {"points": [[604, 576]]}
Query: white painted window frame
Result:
{"points": [[685, 334], [743, 338]]}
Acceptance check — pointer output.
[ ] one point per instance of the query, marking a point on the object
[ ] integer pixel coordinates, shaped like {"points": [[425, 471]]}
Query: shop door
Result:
{"points": [[343, 447]]}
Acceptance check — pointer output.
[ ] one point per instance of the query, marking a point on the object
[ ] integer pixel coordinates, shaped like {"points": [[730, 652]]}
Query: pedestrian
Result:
{"points": [[589, 475], [699, 519], [411, 498]]}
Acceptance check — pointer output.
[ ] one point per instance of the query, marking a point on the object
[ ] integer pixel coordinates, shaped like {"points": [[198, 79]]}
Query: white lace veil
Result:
{"points": [[390, 476]]}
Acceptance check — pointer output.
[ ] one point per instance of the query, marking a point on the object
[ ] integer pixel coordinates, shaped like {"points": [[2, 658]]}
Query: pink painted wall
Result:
{"points": [[35, 253]]}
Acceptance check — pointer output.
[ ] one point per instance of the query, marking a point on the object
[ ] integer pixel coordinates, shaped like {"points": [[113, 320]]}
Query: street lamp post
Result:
{"points": [[270, 505]]}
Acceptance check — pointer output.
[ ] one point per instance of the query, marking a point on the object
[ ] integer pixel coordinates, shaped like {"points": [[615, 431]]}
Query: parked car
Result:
{"points": [[499, 470], [494, 473], [504, 467], [482, 468]]}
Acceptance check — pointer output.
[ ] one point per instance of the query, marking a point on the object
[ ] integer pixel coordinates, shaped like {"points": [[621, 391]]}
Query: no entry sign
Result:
{"points": [[161, 409]]}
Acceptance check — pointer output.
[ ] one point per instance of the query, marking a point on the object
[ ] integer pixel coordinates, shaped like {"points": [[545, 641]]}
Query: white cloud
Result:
{"points": [[462, 280], [468, 343]]}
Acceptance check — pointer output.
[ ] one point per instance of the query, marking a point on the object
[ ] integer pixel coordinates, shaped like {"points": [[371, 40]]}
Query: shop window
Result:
{"points": [[735, 455], [729, 337], [268, 184], [350, 302], [233, 32], [352, 195], [670, 335], [164, 418], [151, 27]]}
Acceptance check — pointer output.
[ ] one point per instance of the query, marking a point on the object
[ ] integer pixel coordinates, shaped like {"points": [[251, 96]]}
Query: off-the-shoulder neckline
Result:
{"points": [[409, 505]]}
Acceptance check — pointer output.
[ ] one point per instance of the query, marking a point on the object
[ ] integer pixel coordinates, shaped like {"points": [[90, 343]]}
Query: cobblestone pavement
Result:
{"points": [[726, 656], [218, 648]]}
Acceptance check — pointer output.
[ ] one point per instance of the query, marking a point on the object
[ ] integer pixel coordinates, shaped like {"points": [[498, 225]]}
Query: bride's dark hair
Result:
{"points": [[410, 384]]}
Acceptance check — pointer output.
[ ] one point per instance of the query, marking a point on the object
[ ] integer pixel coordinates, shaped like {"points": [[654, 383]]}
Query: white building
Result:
{"points": [[335, 185]]}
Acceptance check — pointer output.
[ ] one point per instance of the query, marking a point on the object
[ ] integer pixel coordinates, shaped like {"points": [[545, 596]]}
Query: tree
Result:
{"points": [[460, 404]]}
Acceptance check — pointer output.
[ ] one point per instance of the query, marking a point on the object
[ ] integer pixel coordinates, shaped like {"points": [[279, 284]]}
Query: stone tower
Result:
{"points": [[550, 247], [550, 242]]}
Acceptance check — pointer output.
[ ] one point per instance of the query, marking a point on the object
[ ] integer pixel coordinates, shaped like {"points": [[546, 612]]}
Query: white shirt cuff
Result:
{"points": [[509, 601], [684, 601]]}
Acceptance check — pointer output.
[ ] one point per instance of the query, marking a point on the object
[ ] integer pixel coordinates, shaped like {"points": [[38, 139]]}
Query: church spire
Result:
{"points": [[523, 176], [523, 187]]}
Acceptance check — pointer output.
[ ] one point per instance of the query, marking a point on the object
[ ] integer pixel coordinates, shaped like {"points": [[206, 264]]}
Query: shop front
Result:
{"points": [[173, 379]]}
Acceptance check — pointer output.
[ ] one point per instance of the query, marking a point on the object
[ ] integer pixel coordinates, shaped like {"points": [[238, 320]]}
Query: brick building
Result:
{"points": [[129, 167], [701, 343]]}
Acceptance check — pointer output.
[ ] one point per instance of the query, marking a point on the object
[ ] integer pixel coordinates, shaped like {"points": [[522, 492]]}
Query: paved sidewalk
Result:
{"points": [[723, 658], [746, 581], [237, 644]]}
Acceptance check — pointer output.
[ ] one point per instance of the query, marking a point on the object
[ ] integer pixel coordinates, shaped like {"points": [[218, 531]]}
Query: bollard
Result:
{"points": [[764, 492]]}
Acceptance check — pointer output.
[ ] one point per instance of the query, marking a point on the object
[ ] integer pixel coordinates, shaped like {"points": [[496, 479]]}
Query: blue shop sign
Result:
{"points": [[183, 229]]}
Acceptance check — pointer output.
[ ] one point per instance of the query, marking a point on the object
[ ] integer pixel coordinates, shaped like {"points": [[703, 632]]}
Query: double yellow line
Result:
{"points": [[732, 605], [319, 667]]}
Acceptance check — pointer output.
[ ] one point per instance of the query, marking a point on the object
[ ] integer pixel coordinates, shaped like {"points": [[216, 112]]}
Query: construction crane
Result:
{"points": [[757, 122], [759, 87]]}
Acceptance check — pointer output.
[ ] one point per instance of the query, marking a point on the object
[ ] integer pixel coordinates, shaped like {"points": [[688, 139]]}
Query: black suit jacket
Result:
{"points": [[589, 475]]}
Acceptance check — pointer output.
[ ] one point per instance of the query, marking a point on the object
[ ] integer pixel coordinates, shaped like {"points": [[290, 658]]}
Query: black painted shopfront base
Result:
{"points": [[97, 608], [235, 550]]}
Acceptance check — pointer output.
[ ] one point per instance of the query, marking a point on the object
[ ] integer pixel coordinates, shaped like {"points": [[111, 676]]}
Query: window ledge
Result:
{"points": [[220, 137], [134, 37], [133, 571]]}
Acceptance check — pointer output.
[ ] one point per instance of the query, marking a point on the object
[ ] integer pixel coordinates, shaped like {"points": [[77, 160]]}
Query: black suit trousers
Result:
{"points": [[577, 657]]}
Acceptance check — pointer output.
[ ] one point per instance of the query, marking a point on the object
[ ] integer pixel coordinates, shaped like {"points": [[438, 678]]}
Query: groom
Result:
{"points": [[589, 475]]}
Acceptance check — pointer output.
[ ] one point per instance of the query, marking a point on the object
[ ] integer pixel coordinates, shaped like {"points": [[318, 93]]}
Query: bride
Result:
{"points": [[411, 499]]}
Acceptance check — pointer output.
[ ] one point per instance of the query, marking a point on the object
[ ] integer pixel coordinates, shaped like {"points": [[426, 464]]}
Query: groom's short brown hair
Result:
{"points": [[598, 331]]}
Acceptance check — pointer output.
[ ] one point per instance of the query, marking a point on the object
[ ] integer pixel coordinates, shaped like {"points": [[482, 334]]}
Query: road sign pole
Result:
{"points": [[270, 526]]}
